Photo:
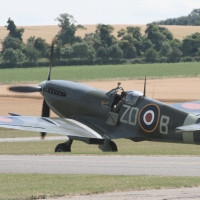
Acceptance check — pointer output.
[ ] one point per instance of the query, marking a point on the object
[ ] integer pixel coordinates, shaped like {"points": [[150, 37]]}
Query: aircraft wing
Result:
{"points": [[63, 126], [188, 128], [192, 107]]}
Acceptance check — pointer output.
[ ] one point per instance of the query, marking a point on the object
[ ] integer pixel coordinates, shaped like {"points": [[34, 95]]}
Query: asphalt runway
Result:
{"points": [[105, 165]]}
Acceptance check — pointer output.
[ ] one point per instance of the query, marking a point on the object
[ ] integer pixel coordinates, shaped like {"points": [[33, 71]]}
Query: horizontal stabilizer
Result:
{"points": [[188, 128]]}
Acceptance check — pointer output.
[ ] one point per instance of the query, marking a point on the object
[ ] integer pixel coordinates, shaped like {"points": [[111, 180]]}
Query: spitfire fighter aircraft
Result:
{"points": [[98, 117]]}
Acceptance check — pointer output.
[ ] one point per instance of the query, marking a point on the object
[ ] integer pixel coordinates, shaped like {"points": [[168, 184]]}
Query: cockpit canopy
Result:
{"points": [[132, 97]]}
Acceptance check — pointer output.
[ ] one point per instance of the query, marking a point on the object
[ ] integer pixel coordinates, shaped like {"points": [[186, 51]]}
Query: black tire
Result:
{"points": [[62, 148], [113, 146]]}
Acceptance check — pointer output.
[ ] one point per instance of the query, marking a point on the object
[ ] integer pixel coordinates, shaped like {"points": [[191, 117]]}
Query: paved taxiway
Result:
{"points": [[108, 165], [162, 194]]}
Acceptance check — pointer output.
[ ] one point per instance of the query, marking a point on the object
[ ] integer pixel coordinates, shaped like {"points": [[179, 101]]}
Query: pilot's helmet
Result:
{"points": [[123, 94]]}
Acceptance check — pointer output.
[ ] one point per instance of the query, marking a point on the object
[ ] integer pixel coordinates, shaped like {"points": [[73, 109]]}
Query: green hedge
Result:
{"points": [[75, 62], [187, 59], [70, 62]]}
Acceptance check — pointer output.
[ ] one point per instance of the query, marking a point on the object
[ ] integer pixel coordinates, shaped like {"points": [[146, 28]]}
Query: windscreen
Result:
{"points": [[132, 96]]}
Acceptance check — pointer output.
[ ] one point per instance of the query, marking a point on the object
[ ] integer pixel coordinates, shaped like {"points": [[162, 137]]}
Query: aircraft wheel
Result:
{"points": [[63, 147], [113, 146]]}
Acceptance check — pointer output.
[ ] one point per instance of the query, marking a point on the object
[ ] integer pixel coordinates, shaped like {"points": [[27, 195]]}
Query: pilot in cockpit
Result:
{"points": [[119, 105]]}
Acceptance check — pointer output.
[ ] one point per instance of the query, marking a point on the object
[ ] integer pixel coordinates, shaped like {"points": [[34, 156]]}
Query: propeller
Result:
{"points": [[45, 113], [51, 58], [31, 89], [144, 87], [24, 89]]}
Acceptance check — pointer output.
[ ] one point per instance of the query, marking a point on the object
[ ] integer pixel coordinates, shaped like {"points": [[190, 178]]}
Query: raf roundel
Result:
{"points": [[10, 121], [193, 106], [5, 119], [148, 117]]}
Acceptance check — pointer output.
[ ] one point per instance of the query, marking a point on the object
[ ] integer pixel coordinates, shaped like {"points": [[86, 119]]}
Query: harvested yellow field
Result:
{"points": [[48, 32], [167, 90]]}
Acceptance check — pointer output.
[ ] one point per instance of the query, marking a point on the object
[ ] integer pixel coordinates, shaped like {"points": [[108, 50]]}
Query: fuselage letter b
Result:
{"points": [[164, 121]]}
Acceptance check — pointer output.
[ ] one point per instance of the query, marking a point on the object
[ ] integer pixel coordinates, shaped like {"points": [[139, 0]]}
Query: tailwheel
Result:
{"points": [[64, 147]]}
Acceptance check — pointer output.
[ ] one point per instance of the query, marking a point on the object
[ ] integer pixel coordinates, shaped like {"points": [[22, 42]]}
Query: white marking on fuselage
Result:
{"points": [[126, 111], [188, 137], [85, 127], [152, 117]]}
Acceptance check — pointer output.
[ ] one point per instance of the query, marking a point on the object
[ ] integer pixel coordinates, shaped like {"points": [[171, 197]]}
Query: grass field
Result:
{"points": [[40, 186], [11, 133], [125, 147], [100, 72]]}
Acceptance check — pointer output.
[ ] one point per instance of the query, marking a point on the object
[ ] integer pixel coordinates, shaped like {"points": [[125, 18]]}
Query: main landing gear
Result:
{"points": [[64, 147], [108, 146]]}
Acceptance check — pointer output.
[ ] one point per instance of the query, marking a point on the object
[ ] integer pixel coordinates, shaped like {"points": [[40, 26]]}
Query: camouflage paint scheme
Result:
{"points": [[85, 112]]}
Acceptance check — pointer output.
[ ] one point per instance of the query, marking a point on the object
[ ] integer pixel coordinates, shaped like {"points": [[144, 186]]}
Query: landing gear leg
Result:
{"points": [[64, 147], [108, 146]]}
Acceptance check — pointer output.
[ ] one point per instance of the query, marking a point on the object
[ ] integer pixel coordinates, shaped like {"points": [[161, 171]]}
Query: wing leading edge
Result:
{"points": [[61, 126]]}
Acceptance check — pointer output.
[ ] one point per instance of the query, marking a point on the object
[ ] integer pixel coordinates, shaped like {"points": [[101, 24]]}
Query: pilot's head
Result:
{"points": [[123, 94]]}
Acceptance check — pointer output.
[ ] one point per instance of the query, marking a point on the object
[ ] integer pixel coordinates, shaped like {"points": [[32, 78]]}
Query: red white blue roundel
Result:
{"points": [[148, 117]]}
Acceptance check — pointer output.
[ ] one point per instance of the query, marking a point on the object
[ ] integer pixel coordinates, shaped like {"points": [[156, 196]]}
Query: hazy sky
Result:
{"points": [[44, 12]]}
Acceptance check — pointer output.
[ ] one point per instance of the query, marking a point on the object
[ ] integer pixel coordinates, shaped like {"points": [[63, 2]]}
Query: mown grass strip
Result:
{"points": [[12, 133], [33, 186], [100, 72], [125, 147]]}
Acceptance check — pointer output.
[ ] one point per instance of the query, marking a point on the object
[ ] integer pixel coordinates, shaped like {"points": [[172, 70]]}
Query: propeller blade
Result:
{"points": [[24, 89], [144, 87], [45, 113], [51, 58]]}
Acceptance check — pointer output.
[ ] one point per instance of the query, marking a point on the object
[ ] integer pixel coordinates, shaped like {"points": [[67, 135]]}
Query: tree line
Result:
{"points": [[100, 47], [193, 19]]}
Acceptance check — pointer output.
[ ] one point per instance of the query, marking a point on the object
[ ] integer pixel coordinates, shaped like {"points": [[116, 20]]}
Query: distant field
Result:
{"points": [[48, 32], [100, 72]]}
